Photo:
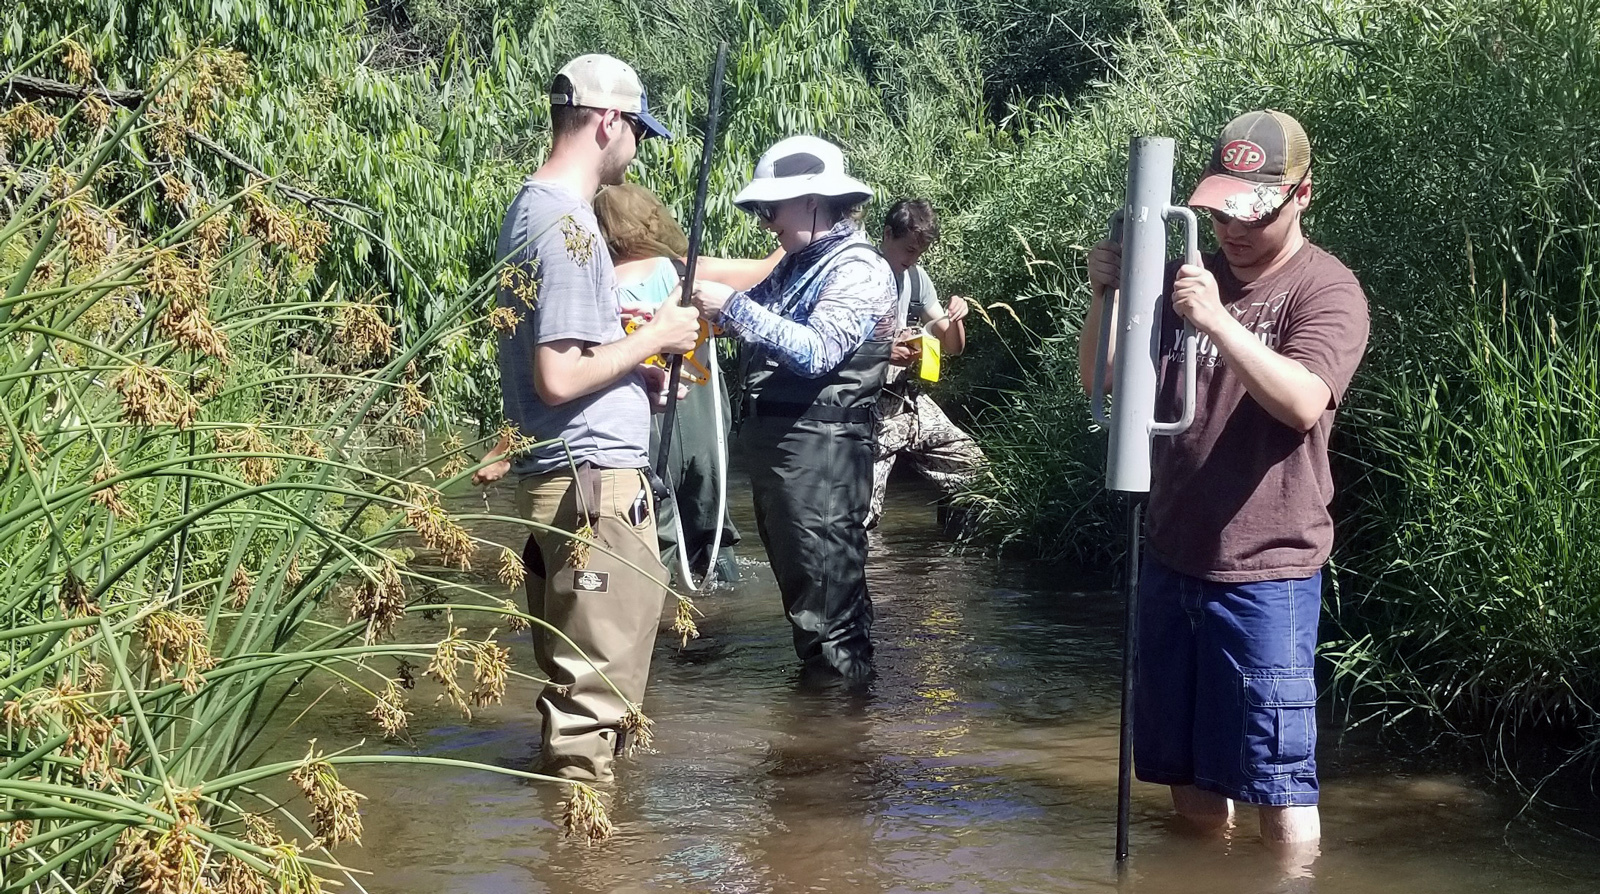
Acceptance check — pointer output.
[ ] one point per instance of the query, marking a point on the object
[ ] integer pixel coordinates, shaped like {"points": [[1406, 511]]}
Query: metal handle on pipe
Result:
{"points": [[1097, 394], [1191, 339]]}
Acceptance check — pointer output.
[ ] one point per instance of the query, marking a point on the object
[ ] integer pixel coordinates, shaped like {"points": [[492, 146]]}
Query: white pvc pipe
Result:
{"points": [[714, 382]]}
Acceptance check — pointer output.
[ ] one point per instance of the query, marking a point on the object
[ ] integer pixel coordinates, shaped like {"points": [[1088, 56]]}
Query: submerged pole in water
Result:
{"points": [[1140, 225]]}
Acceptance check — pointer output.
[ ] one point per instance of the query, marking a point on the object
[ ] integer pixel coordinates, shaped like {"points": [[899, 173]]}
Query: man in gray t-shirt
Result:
{"points": [[571, 376], [553, 246]]}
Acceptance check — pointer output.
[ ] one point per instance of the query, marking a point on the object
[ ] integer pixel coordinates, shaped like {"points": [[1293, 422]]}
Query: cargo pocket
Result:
{"points": [[1280, 721]]}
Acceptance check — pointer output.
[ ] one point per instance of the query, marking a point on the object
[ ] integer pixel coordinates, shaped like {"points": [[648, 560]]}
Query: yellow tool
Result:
{"points": [[694, 371], [928, 369]]}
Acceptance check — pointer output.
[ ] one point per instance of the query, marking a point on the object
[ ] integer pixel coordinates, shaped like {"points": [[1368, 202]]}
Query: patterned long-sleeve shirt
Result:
{"points": [[857, 302]]}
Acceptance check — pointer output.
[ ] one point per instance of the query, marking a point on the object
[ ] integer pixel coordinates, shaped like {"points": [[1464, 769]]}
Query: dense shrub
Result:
{"points": [[1450, 141]]}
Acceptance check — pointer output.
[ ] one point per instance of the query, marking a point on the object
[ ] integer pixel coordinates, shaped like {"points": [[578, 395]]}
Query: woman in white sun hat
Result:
{"points": [[815, 338]]}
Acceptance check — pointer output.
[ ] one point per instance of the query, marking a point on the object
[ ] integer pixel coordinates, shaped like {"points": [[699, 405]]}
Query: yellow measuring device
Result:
{"points": [[928, 369]]}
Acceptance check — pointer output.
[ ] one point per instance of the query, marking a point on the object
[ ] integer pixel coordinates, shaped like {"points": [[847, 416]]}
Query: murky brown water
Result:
{"points": [[984, 760]]}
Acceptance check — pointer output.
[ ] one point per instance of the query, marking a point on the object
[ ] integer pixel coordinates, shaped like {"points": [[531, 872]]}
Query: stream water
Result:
{"points": [[983, 760]]}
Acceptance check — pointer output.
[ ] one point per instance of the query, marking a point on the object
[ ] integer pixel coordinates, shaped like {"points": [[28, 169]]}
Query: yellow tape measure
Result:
{"points": [[693, 372]]}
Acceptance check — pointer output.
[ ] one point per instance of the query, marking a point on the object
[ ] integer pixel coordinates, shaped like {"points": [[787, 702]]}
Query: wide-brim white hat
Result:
{"points": [[801, 166]]}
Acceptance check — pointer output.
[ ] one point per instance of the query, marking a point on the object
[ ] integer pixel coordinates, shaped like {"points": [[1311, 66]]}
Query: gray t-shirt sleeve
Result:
{"points": [[576, 301], [931, 308]]}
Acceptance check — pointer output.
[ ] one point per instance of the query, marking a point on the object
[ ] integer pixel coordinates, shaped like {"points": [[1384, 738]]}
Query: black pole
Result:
{"points": [[1130, 638], [696, 231]]}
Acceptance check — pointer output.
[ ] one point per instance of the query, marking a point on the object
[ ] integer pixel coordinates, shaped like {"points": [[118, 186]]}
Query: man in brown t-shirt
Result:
{"points": [[1238, 525]]}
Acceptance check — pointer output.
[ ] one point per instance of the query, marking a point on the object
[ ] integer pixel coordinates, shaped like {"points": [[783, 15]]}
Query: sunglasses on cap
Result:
{"points": [[1264, 220]]}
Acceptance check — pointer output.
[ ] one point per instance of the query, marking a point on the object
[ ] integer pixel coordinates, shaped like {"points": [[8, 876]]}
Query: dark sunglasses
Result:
{"points": [[764, 211], [1265, 220], [640, 132]]}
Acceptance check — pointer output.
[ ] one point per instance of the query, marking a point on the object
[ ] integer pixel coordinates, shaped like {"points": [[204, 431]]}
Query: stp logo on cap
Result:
{"points": [[1243, 156]]}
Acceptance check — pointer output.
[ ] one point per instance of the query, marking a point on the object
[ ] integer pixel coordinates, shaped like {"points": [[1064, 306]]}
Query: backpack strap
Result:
{"points": [[914, 310]]}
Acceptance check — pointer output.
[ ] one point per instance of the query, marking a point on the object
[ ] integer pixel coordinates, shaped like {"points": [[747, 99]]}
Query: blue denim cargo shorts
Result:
{"points": [[1225, 697]]}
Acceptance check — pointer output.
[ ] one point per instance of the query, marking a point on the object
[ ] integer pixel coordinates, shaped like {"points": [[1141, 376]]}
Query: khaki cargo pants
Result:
{"points": [[606, 608]]}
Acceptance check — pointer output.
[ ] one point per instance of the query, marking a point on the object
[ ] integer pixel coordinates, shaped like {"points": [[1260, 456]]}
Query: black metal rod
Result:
{"points": [[1130, 640], [697, 227]]}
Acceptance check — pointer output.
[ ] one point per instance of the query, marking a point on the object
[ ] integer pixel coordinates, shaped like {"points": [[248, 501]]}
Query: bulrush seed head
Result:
{"points": [[504, 319], [639, 730], [255, 470], [683, 621], [517, 442], [303, 443], [185, 318], [364, 334], [264, 220], [335, 809], [437, 530], [175, 641], [238, 877], [516, 622], [579, 547], [110, 497], [259, 831], [520, 282], [294, 876], [168, 861], [175, 189], [77, 62], [586, 815], [490, 666], [86, 229], [380, 600], [239, 587], [442, 668], [96, 111], [211, 234], [390, 711], [29, 120], [150, 398], [413, 403], [512, 571], [75, 599]]}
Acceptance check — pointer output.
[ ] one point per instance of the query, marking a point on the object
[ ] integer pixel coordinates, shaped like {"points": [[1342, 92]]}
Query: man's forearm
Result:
{"points": [[1290, 393], [1089, 340], [567, 370], [952, 336]]}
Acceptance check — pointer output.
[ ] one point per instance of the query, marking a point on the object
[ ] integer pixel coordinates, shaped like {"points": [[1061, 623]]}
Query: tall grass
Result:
{"points": [[1466, 516], [1474, 535], [213, 491]]}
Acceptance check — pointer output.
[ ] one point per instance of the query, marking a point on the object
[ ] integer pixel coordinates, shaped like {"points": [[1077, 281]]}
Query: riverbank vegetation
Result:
{"points": [[302, 229], [215, 503]]}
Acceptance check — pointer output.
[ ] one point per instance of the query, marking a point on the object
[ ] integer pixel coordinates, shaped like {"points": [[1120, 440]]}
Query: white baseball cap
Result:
{"points": [[599, 81], [801, 166]]}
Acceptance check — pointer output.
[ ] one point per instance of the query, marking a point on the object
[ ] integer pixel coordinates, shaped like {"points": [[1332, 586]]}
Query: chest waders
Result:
{"points": [[809, 444]]}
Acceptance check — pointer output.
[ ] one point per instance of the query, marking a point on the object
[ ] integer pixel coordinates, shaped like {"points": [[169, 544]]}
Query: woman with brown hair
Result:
{"points": [[647, 247]]}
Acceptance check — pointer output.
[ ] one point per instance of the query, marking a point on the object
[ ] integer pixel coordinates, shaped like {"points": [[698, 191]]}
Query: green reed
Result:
{"points": [[213, 491], [1475, 530]]}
